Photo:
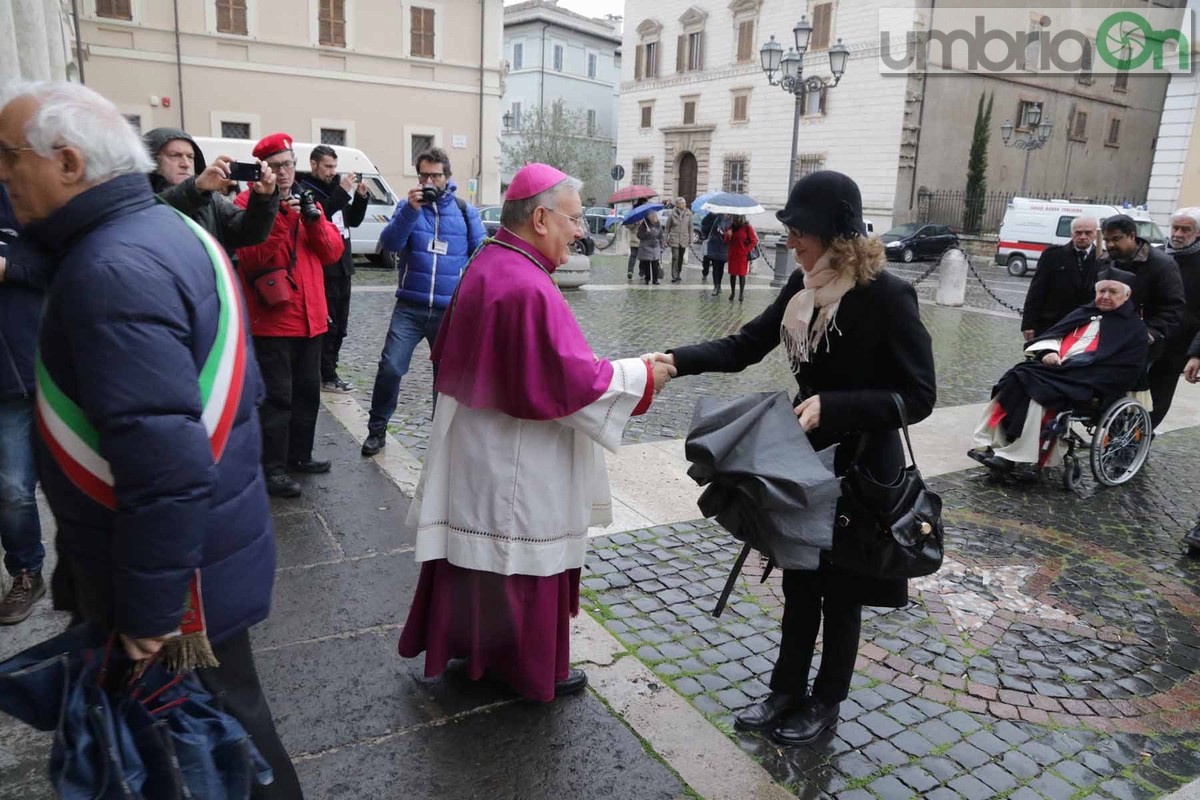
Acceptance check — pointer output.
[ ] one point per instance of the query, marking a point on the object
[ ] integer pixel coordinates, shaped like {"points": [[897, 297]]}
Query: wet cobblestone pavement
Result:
{"points": [[1056, 655], [621, 323]]}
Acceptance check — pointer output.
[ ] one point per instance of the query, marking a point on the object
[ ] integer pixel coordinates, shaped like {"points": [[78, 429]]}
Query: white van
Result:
{"points": [[1030, 226], [364, 240]]}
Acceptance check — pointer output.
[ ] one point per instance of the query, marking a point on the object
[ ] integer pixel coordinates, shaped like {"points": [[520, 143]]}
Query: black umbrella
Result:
{"points": [[766, 484]]}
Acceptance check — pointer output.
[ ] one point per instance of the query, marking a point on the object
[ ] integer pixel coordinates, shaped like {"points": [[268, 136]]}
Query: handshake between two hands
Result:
{"points": [[808, 412]]}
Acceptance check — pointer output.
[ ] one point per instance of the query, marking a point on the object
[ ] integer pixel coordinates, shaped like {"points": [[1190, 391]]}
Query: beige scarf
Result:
{"points": [[822, 292]]}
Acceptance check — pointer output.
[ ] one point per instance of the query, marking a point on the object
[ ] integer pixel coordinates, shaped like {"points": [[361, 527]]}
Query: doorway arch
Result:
{"points": [[687, 170]]}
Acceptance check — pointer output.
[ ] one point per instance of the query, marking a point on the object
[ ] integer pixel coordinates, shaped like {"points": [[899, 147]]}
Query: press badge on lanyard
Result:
{"points": [[438, 247]]}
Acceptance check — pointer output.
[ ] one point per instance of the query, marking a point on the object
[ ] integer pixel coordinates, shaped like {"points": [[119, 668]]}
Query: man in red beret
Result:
{"points": [[284, 285]]}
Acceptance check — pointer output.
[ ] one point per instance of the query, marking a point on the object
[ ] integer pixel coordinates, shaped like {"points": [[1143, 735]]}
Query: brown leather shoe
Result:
{"points": [[17, 605]]}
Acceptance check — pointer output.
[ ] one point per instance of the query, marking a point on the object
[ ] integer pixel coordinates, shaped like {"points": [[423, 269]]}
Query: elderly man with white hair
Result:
{"points": [[146, 404], [1098, 350], [515, 472], [1184, 247], [1064, 279]]}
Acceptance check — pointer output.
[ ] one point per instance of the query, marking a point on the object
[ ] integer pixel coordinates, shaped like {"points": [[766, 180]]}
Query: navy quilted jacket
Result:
{"points": [[131, 314]]}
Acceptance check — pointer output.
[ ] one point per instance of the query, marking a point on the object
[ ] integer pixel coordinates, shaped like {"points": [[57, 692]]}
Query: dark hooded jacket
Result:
{"points": [[234, 227], [1112, 369], [20, 314], [334, 200]]}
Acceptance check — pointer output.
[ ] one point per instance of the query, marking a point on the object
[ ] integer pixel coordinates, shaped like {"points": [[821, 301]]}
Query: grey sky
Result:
{"points": [[590, 8]]}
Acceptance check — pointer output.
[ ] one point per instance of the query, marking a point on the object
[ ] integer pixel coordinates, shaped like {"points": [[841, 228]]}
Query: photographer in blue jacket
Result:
{"points": [[434, 233]]}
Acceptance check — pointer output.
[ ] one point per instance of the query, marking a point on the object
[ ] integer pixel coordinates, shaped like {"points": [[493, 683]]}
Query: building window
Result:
{"points": [[741, 107], [812, 104], [422, 33], [645, 61], [745, 42], [516, 116], [420, 143], [1078, 130], [592, 61], [1121, 81], [737, 171], [689, 56], [519, 56], [135, 122], [1114, 133], [591, 122], [808, 164], [334, 136], [1023, 113], [114, 9], [642, 173], [331, 22], [235, 130], [1085, 65], [689, 112], [231, 16], [647, 116], [558, 58], [822, 23]]}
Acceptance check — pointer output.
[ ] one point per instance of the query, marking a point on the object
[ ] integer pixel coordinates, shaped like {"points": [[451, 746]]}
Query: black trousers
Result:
{"points": [[803, 608], [291, 371], [677, 261], [651, 270], [1163, 376], [337, 296], [718, 270], [235, 686]]}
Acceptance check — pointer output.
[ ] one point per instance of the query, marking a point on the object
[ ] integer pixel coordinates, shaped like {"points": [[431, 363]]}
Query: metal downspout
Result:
{"points": [[179, 67]]}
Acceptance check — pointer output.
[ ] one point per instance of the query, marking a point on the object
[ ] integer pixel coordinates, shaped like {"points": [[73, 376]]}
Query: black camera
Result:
{"points": [[309, 211], [430, 194]]}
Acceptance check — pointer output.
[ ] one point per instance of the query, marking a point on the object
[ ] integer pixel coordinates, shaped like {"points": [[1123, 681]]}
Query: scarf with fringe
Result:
{"points": [[800, 333]]}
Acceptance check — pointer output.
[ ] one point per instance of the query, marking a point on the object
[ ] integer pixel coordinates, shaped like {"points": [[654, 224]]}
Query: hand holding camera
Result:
{"points": [[348, 182], [215, 177], [423, 196], [265, 184], [310, 212]]}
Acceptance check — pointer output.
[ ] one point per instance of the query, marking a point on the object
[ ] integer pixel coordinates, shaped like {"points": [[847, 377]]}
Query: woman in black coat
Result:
{"points": [[854, 337]]}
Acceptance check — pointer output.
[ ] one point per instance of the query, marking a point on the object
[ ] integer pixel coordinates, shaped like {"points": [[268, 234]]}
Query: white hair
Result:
{"points": [[1080, 220], [515, 213], [72, 115], [1125, 294], [1191, 212]]}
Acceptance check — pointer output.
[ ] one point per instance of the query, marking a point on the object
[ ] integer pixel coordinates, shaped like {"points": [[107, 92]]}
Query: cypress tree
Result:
{"points": [[976, 190]]}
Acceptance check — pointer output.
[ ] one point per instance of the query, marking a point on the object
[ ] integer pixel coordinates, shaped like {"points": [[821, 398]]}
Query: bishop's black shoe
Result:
{"points": [[575, 682]]}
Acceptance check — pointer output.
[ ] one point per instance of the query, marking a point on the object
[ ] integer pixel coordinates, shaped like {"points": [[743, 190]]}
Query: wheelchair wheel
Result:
{"points": [[1121, 442], [1072, 472]]}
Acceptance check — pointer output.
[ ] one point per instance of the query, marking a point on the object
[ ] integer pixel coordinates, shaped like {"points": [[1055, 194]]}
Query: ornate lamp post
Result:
{"points": [[790, 69], [1035, 136], [507, 119]]}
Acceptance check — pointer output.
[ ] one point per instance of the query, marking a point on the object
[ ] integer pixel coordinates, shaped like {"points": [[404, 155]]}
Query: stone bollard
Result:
{"points": [[784, 265], [621, 244], [575, 273], [952, 278]]}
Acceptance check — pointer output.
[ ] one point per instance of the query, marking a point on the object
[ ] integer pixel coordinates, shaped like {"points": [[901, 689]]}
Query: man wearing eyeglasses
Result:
{"points": [[183, 179], [434, 233], [284, 284]]}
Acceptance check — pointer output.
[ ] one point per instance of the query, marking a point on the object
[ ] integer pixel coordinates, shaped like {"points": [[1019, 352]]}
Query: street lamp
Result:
{"points": [[508, 120], [790, 78], [1034, 137]]}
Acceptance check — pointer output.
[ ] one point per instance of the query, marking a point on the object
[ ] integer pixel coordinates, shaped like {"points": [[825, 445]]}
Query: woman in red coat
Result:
{"points": [[741, 239]]}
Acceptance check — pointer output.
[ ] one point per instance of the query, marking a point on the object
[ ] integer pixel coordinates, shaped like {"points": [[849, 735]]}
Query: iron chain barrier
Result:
{"points": [[988, 289]]}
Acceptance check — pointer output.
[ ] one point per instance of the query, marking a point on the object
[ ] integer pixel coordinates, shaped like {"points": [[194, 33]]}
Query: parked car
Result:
{"points": [[1030, 226], [917, 241], [490, 217]]}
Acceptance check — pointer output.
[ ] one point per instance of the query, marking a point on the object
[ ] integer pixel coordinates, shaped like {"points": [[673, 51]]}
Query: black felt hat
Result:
{"points": [[827, 204], [1116, 274]]}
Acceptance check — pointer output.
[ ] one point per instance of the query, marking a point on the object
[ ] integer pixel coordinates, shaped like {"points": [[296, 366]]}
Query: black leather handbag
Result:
{"points": [[888, 530]]}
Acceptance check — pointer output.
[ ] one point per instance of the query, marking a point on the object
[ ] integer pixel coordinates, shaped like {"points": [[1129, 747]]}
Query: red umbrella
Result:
{"points": [[632, 193]]}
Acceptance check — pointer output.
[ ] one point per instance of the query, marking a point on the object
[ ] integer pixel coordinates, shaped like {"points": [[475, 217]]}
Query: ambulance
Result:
{"points": [[1030, 226], [364, 239]]}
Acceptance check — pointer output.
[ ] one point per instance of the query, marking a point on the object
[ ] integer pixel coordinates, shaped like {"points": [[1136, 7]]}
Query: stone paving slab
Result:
{"points": [[1056, 655]]}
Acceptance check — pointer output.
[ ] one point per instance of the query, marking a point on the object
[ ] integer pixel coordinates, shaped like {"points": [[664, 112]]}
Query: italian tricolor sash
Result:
{"points": [[75, 443]]}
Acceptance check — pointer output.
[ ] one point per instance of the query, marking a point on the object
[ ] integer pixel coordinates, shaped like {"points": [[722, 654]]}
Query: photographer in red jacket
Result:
{"points": [[284, 285]]}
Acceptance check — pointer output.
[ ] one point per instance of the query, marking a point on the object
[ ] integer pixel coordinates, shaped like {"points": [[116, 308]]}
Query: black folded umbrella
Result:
{"points": [[766, 484]]}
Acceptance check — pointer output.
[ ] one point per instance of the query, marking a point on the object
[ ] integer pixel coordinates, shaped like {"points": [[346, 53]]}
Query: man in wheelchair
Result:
{"points": [[1098, 351]]}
